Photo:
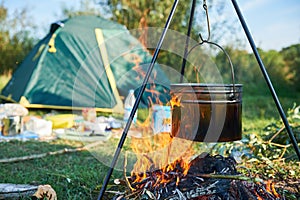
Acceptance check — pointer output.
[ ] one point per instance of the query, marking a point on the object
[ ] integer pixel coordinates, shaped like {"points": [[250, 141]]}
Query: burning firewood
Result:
{"points": [[206, 177]]}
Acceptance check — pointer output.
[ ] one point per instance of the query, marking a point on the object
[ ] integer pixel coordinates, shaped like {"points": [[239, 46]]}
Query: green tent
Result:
{"points": [[84, 61]]}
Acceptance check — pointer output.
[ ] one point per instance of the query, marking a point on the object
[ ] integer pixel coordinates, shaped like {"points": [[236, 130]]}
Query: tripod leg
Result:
{"points": [[138, 99], [266, 76], [186, 49]]}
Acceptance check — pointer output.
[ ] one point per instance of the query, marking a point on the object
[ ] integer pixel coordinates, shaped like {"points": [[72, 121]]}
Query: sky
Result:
{"points": [[274, 24]]}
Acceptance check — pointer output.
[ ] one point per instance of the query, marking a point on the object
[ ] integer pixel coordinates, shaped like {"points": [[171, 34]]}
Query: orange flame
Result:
{"points": [[175, 101], [270, 187], [257, 195], [163, 153], [158, 152]]}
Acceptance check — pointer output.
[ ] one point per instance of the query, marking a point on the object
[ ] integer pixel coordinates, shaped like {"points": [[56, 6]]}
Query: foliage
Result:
{"points": [[3, 81], [15, 38], [139, 14], [265, 151], [268, 144], [86, 8], [280, 67], [276, 133], [291, 56]]}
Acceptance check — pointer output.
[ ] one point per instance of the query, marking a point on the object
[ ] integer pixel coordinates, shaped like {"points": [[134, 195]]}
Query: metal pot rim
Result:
{"points": [[204, 85]]}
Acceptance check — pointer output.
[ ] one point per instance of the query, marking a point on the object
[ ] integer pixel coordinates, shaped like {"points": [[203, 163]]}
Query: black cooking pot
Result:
{"points": [[207, 112]]}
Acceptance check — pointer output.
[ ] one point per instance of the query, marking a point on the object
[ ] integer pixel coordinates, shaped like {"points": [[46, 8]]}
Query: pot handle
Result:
{"points": [[202, 41], [232, 96]]}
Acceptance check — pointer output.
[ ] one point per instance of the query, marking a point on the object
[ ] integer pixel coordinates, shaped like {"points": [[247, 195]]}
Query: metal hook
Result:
{"points": [[204, 4], [208, 25]]}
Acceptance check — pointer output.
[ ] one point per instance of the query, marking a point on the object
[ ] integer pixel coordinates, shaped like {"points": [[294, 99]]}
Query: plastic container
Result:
{"points": [[11, 117], [128, 105], [161, 116], [41, 127], [12, 125]]}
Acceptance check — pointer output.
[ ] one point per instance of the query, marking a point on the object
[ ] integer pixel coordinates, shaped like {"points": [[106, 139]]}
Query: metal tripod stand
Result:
{"points": [[154, 58]]}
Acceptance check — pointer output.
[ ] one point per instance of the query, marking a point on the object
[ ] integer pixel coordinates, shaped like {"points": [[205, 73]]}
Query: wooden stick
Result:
{"points": [[34, 156], [278, 145], [228, 176], [62, 151], [277, 133]]}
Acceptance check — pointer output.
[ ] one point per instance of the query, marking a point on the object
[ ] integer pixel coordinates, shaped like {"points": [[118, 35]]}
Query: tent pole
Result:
{"points": [[266, 76], [138, 99]]}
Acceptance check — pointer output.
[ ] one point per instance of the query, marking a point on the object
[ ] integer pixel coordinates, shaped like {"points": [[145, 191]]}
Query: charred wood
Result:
{"points": [[209, 178]]}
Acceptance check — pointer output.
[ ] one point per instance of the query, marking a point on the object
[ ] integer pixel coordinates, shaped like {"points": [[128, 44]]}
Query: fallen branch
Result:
{"points": [[278, 145], [62, 151], [277, 133], [234, 177], [30, 157]]}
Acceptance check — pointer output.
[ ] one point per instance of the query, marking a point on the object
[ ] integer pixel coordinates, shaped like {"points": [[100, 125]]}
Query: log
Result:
{"points": [[13, 191], [35, 156], [17, 191], [58, 152]]}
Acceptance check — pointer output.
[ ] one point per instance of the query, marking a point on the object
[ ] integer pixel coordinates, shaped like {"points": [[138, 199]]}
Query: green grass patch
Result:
{"points": [[80, 175], [264, 107], [72, 175]]}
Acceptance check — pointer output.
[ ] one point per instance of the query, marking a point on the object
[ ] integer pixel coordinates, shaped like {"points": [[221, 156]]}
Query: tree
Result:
{"points": [[277, 68], [246, 70], [291, 56], [15, 39], [154, 13], [87, 7], [282, 68]]}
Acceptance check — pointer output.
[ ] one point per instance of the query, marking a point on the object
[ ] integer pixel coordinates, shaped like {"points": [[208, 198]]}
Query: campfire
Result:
{"points": [[169, 167], [203, 177]]}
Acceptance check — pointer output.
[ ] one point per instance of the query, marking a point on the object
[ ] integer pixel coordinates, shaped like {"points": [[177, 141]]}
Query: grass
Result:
{"points": [[80, 175], [73, 176], [263, 107]]}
